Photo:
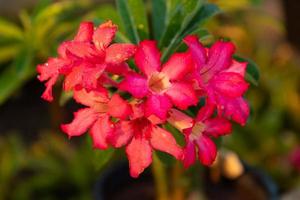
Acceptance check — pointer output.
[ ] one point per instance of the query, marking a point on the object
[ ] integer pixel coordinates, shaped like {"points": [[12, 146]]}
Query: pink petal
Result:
{"points": [[182, 95], [217, 127], [197, 50], [118, 107], [90, 98], [229, 84], [205, 112], [84, 50], [91, 75], [118, 69], [164, 141], [83, 119], [85, 32], [147, 57], [101, 129], [220, 57], [178, 65], [73, 78], [104, 35], [207, 150], [122, 134], [189, 154], [237, 67], [47, 94], [139, 153], [135, 84], [180, 120], [119, 53], [157, 105], [50, 68]]}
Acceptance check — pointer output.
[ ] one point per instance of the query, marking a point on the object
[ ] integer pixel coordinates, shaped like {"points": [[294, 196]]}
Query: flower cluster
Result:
{"points": [[99, 77]]}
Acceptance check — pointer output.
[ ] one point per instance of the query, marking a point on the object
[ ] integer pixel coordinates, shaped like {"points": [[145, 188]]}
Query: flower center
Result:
{"points": [[159, 82], [197, 130]]}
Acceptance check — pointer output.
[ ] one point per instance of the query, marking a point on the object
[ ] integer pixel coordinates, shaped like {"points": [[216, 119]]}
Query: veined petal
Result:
{"points": [[229, 84], [197, 50], [122, 134], [147, 57], [99, 132], [139, 153], [85, 32], [47, 94], [83, 119], [91, 98], [118, 107], [217, 127], [207, 150], [119, 53], [182, 95], [180, 120], [189, 154], [178, 65], [104, 35], [135, 84], [157, 105], [164, 141]]}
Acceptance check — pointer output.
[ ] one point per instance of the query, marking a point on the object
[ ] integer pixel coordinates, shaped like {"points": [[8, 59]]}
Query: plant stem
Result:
{"points": [[160, 179], [178, 187]]}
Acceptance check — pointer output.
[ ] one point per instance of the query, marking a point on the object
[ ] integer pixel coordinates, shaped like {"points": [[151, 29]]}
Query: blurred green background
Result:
{"points": [[37, 161]]}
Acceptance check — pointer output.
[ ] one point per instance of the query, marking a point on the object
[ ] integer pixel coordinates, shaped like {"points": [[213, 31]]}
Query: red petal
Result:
{"points": [[147, 57], [84, 50], [197, 50], [217, 127], [85, 32], [51, 68], [118, 53], [118, 107], [178, 65], [207, 150], [139, 153], [135, 84], [47, 95], [91, 98], [119, 69], [83, 119], [189, 154], [164, 141], [205, 112], [101, 129], [157, 105], [180, 120], [122, 134], [182, 95], [73, 78], [104, 35]]}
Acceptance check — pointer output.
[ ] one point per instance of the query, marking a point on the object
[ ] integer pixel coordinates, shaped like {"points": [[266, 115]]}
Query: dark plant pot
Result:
{"points": [[115, 183]]}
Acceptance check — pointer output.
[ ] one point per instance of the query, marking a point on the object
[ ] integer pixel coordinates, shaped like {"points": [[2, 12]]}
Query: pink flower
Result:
{"points": [[141, 135], [96, 116], [198, 134], [84, 59], [220, 78], [161, 84]]}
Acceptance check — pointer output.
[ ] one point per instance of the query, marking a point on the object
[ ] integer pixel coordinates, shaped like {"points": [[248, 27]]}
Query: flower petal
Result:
{"points": [[119, 53], [237, 67], [178, 65], [104, 35], [85, 32], [118, 69], [182, 95], [164, 141], [197, 50], [73, 78], [135, 84], [180, 120], [189, 154], [207, 150], [91, 98], [122, 134], [118, 107], [157, 105], [139, 153], [147, 57], [47, 94], [205, 112], [99, 132], [83, 119], [217, 127]]}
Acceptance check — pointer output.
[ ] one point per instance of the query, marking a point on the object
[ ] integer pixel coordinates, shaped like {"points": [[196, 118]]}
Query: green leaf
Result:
{"points": [[165, 158], [133, 15], [102, 157], [10, 30], [252, 70], [159, 11], [8, 52], [65, 97]]}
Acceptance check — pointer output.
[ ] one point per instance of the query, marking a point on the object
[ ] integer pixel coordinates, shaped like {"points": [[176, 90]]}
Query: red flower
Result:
{"points": [[220, 78], [162, 85], [141, 135], [97, 115]]}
